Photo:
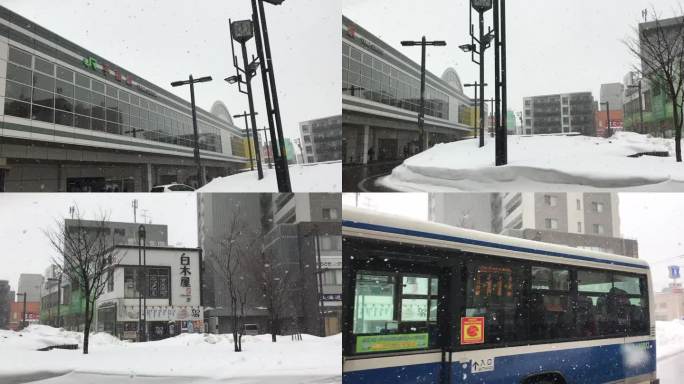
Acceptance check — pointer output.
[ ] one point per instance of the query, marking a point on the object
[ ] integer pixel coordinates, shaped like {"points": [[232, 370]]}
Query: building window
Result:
{"points": [[551, 201], [598, 229], [157, 282], [330, 213], [110, 281], [332, 277], [528, 122], [579, 204], [597, 207], [551, 224], [579, 226]]}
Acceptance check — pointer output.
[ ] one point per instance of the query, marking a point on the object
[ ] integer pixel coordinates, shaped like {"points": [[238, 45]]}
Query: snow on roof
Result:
{"points": [[477, 239]]}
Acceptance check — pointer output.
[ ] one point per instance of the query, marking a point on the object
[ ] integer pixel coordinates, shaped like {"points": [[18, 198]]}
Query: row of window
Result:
{"points": [[40, 90], [519, 302], [157, 287], [373, 79]]}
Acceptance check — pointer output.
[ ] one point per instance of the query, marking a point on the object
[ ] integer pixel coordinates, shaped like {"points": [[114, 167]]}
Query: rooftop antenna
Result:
{"points": [[146, 217], [134, 204], [72, 210], [644, 14]]}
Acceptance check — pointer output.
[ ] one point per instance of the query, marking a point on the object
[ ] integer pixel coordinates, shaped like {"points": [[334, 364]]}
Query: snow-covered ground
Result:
{"points": [[315, 177], [196, 358], [670, 350], [548, 163]]}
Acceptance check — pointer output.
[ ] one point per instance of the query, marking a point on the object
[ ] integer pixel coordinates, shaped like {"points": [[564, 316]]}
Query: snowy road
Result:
{"points": [[95, 378], [671, 369]]}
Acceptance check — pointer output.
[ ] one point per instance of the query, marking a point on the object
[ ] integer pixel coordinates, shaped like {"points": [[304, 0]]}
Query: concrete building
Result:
{"points": [[32, 285], [22, 316], [613, 94], [321, 139], [560, 113], [6, 298], [478, 211], [172, 294], [381, 99], [582, 220], [669, 304], [71, 120], [307, 234]]}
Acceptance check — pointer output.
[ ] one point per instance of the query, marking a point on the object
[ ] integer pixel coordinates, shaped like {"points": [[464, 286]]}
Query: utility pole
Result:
{"points": [[609, 131], [476, 85], [422, 138], [268, 156], [134, 204], [501, 94], [23, 316], [249, 146]]}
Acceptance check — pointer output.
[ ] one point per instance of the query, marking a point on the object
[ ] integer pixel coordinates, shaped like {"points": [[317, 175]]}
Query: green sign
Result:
{"points": [[382, 343]]}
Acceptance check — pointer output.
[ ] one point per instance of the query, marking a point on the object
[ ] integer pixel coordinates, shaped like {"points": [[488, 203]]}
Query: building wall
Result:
{"points": [[321, 139], [559, 113], [669, 305], [465, 210], [17, 314], [32, 285]]}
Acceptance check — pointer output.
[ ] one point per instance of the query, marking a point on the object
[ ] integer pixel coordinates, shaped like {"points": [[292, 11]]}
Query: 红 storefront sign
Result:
{"points": [[351, 32], [185, 273], [108, 71]]}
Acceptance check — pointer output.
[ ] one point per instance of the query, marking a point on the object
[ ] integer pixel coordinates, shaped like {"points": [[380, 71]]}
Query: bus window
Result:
{"points": [[395, 312], [551, 314], [374, 303], [494, 292]]}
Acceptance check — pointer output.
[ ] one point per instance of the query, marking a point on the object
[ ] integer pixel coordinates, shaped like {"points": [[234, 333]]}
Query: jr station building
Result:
{"points": [[381, 100], [71, 121]]}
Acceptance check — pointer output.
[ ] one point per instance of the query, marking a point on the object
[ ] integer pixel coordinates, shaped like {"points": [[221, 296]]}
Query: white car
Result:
{"points": [[172, 188]]}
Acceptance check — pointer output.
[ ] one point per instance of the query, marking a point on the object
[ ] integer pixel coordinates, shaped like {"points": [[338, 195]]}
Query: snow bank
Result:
{"points": [[315, 177], [187, 355], [547, 163], [669, 338]]}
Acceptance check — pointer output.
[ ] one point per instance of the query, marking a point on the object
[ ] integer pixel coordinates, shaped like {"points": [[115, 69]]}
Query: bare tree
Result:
{"points": [[659, 46], [86, 256], [274, 280], [231, 262]]}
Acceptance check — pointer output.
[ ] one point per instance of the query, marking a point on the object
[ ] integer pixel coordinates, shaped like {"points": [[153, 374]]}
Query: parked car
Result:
{"points": [[174, 187]]}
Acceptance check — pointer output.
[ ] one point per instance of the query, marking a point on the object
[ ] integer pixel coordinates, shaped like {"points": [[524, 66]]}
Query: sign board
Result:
{"points": [[381, 343], [482, 365], [472, 330], [673, 271]]}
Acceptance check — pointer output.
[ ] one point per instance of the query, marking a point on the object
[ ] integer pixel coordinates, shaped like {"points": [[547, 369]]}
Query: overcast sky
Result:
{"points": [[553, 46], [25, 218], [655, 220], [163, 41]]}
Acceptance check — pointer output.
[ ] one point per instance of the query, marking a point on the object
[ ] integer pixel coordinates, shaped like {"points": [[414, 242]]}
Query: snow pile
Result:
{"points": [[669, 338], [543, 163], [188, 355], [314, 177]]}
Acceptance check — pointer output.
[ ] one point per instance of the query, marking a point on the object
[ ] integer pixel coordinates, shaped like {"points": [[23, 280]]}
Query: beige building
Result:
{"points": [[669, 304]]}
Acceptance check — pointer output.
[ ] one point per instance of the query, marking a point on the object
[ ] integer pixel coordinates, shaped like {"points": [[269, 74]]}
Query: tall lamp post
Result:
{"points": [[142, 287], [609, 131], [270, 93], [191, 81], [501, 95], [475, 85], [641, 105], [421, 112], [484, 40], [268, 156], [242, 31], [249, 146], [59, 296]]}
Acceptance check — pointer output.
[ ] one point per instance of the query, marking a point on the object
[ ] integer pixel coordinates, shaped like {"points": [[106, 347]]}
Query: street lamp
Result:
{"points": [[421, 113], [270, 93], [242, 31], [142, 288], [609, 132], [475, 85], [641, 105], [191, 82], [59, 296]]}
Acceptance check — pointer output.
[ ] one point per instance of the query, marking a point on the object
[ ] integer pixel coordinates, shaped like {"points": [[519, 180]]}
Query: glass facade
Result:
{"points": [[376, 80], [41, 90]]}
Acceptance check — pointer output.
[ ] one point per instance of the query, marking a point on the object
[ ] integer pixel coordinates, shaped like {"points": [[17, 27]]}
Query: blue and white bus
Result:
{"points": [[429, 303]]}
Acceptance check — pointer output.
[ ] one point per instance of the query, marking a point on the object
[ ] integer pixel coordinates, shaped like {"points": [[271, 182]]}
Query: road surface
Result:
{"points": [[100, 378], [361, 178], [671, 369]]}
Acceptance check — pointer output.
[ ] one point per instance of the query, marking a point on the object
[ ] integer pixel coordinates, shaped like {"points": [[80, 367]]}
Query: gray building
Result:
{"points": [[582, 220], [73, 121], [6, 297], [32, 285], [614, 95], [560, 113], [381, 99], [321, 139], [307, 234]]}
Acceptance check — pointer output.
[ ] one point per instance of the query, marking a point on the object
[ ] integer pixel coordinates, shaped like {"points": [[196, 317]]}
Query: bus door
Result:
{"points": [[394, 326]]}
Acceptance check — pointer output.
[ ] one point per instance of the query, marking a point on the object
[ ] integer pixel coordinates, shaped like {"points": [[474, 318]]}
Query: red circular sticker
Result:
{"points": [[472, 331]]}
